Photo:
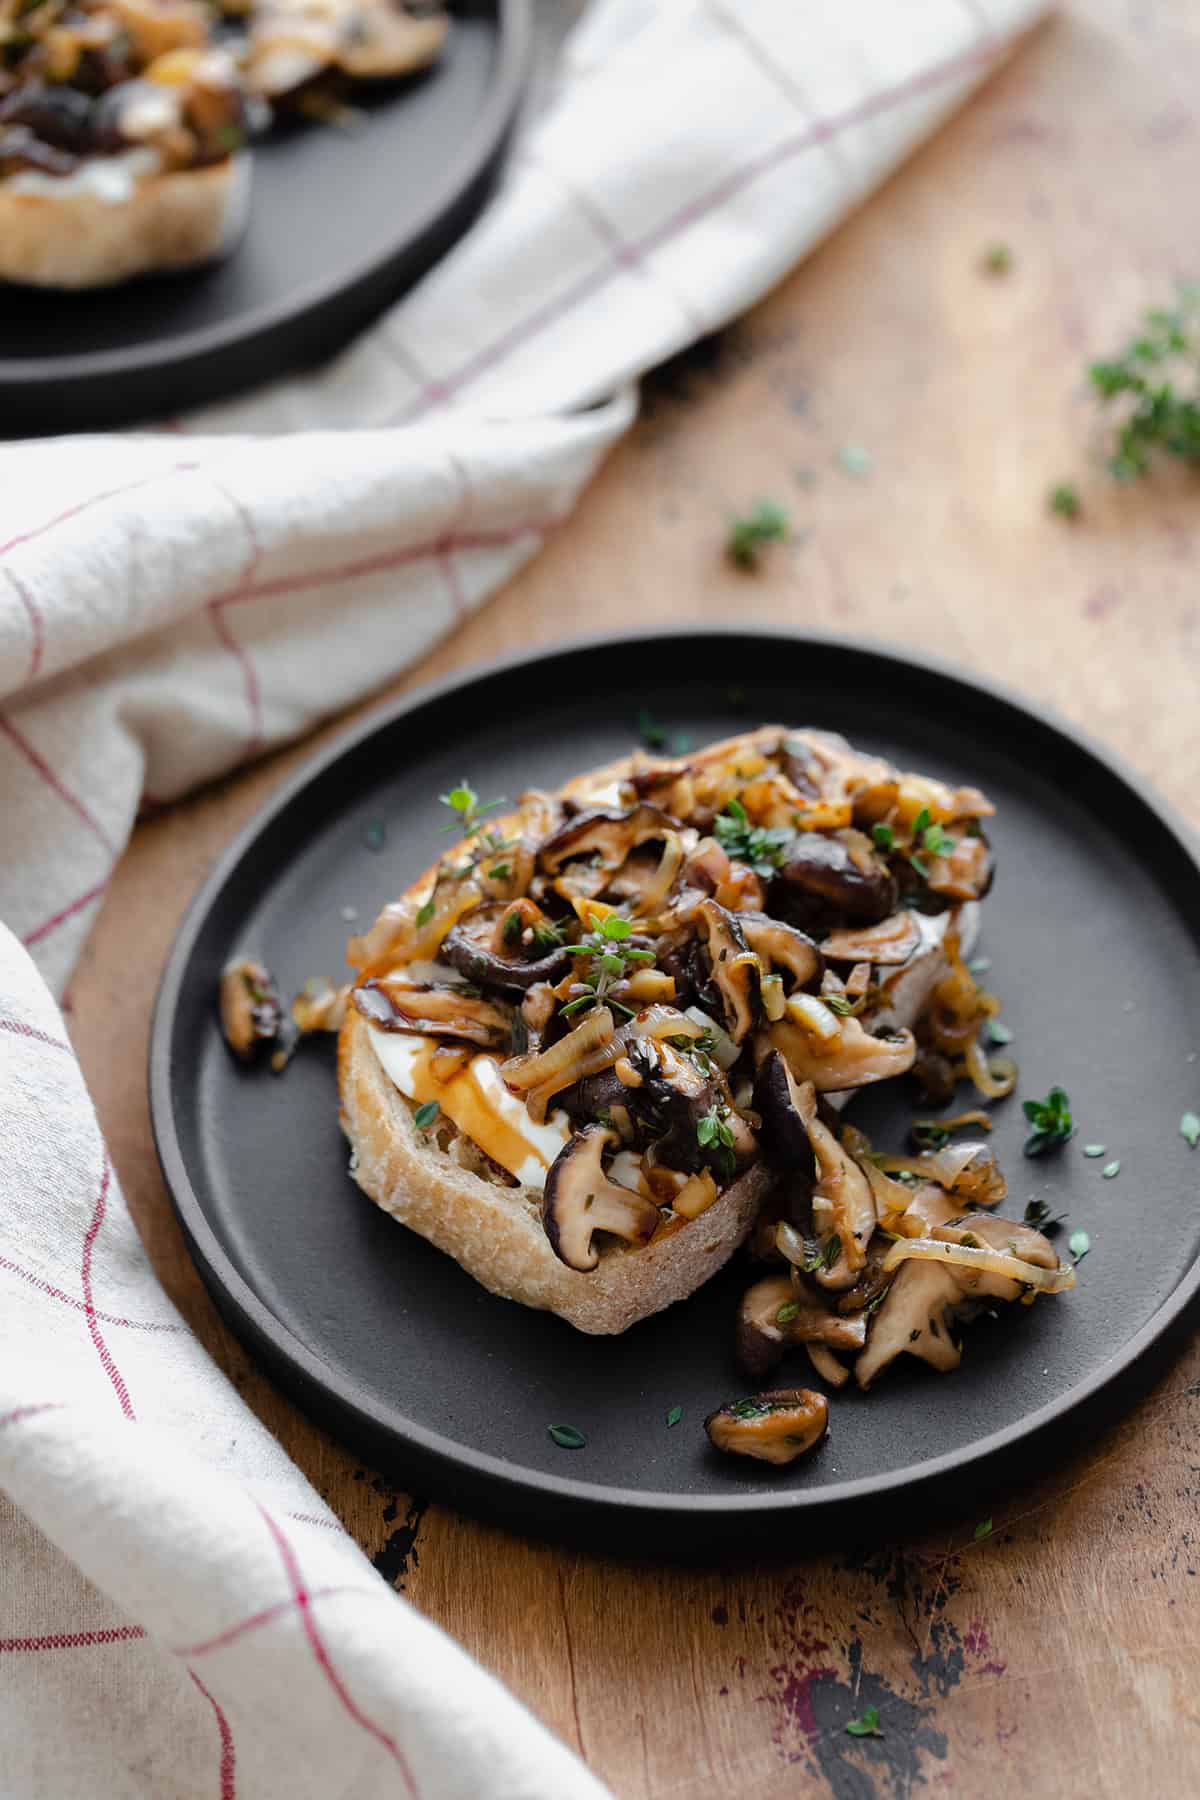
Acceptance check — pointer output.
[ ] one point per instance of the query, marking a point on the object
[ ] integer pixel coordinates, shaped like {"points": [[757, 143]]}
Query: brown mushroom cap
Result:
{"points": [[774, 1427], [395, 1005], [776, 1312], [834, 877], [580, 1200], [777, 1101], [493, 952], [611, 836], [784, 947], [852, 1060]]}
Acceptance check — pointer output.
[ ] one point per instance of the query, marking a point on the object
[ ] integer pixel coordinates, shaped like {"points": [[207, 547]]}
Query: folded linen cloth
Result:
{"points": [[179, 1614]]}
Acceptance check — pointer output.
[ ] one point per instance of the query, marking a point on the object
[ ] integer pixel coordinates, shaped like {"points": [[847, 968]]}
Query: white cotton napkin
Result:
{"points": [[179, 1615]]}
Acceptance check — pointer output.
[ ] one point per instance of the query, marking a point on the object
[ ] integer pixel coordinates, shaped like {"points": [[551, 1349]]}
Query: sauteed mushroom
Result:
{"points": [[775, 1427], [580, 1200], [835, 877], [508, 945], [735, 969], [251, 1012], [775, 1314], [780, 946], [395, 1005], [608, 836], [848, 1058]]}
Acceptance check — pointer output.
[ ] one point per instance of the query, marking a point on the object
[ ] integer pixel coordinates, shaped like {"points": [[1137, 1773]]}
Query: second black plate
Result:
{"points": [[1092, 931], [342, 221]]}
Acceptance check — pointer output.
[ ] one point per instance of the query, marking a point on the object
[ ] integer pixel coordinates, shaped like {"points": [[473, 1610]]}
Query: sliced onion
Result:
{"points": [[725, 1051], [791, 1244], [663, 879], [968, 1169], [661, 1021], [815, 1017], [981, 1261], [827, 1365], [994, 1082], [773, 998], [539, 1067]]}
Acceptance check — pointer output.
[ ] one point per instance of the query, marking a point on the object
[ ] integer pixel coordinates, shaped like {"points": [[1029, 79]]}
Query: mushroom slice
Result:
{"points": [[775, 1427], [251, 1011], [915, 1318], [783, 947], [383, 40], [609, 836], [777, 1101], [580, 1200], [775, 1314], [913, 1321], [850, 1059], [832, 877], [735, 968], [509, 945], [893, 940], [843, 1203], [393, 1005]]}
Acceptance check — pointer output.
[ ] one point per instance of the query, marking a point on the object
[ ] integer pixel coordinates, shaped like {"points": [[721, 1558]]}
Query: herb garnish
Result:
{"points": [[1189, 1128], [838, 1003], [463, 802], [674, 1416], [765, 523], [426, 912], [1064, 500], [714, 1132], [425, 1115], [1111, 1169], [652, 735], [750, 1409], [983, 1529], [997, 259], [854, 459], [826, 1256], [764, 848], [1051, 1121], [1094, 1149], [998, 1032], [374, 834], [884, 837], [566, 1437], [510, 931], [1079, 1243], [606, 946], [1158, 416], [931, 836], [867, 1726], [1038, 1214], [788, 1311], [979, 965]]}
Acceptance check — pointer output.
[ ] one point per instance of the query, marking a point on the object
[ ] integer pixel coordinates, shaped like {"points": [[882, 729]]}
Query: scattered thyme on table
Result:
{"points": [[766, 523]]}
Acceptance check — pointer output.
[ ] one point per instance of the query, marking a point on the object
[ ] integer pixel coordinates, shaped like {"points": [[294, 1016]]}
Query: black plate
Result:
{"points": [[1092, 933], [342, 222]]}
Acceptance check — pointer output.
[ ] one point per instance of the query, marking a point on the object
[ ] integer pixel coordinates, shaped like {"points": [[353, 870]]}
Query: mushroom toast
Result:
{"points": [[582, 1050], [121, 134]]}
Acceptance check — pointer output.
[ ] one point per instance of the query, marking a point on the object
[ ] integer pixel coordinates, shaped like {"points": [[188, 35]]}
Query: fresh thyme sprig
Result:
{"points": [[610, 954], [764, 848], [1157, 413], [466, 812]]}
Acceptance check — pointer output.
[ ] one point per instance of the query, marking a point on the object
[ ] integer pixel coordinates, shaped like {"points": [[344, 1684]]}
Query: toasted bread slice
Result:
{"points": [[75, 238], [495, 1231]]}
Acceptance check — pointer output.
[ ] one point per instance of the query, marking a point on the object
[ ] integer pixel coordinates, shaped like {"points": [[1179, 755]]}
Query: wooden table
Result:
{"points": [[1058, 1655]]}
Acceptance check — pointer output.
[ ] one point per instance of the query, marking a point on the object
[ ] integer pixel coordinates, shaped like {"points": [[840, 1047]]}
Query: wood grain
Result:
{"points": [[1056, 1656]]}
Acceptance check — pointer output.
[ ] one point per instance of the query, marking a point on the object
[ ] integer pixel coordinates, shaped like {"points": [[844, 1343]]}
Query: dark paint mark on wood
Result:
{"points": [[399, 1551]]}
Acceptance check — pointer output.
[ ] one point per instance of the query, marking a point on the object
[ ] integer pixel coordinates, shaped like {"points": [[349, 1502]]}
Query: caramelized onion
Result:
{"points": [[967, 1169], [995, 1081], [981, 1261], [537, 1068], [663, 879]]}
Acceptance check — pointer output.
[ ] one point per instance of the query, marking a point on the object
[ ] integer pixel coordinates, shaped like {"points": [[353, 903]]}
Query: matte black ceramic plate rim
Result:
{"points": [[514, 19], [515, 1479]]}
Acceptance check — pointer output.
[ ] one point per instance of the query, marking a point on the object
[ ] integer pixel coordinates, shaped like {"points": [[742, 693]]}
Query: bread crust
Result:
{"points": [[78, 240]]}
